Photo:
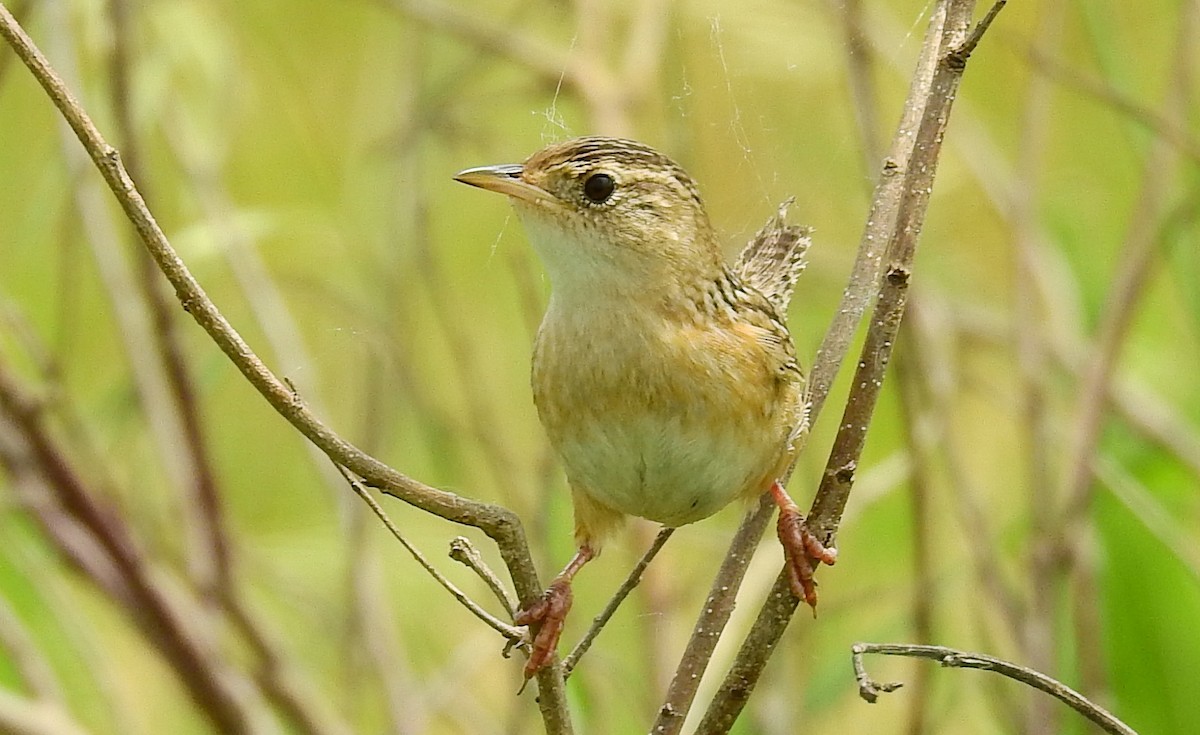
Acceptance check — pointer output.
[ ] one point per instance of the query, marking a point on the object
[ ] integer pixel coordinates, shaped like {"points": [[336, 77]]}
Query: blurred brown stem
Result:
{"points": [[1150, 222], [1165, 128], [920, 429], [204, 497], [1032, 621], [104, 548]]}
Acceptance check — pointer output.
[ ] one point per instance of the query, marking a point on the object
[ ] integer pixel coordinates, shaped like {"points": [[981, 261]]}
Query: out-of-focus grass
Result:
{"points": [[334, 129]]}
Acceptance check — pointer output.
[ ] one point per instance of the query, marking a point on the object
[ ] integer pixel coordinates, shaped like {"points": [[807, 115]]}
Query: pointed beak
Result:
{"points": [[504, 179]]}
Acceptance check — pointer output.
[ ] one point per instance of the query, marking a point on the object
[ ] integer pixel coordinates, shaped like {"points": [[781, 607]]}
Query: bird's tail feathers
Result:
{"points": [[774, 258]]}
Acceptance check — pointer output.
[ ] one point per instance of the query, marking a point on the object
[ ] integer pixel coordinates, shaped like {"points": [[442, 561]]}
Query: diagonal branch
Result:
{"points": [[499, 523], [631, 581]]}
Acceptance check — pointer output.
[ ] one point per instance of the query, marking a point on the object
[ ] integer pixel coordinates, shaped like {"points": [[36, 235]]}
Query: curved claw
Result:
{"points": [[549, 613]]}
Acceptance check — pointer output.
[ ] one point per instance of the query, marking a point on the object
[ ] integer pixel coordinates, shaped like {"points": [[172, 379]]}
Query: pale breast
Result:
{"points": [[665, 422]]}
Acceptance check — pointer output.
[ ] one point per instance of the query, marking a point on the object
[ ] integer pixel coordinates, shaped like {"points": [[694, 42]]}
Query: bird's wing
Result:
{"points": [[774, 259]]}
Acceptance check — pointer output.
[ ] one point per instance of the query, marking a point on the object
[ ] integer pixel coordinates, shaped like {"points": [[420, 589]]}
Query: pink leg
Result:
{"points": [[800, 547], [549, 613]]}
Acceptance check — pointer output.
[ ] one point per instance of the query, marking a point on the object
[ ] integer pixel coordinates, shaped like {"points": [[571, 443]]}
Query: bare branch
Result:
{"points": [[513, 634], [631, 581], [870, 690], [465, 553]]}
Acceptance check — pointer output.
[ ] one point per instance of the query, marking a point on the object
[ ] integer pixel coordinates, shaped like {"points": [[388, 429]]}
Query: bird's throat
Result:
{"points": [[589, 268]]}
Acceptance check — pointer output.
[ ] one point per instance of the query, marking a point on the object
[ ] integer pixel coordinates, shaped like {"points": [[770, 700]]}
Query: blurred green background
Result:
{"points": [[299, 156]]}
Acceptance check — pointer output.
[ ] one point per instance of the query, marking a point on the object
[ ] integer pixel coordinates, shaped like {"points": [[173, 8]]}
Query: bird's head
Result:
{"points": [[605, 212]]}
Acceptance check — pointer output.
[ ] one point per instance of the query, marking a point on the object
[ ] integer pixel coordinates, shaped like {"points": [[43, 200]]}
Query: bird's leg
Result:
{"points": [[549, 612], [800, 547]]}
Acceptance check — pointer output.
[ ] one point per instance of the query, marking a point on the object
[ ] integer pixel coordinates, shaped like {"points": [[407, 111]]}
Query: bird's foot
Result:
{"points": [[800, 547], [549, 613]]}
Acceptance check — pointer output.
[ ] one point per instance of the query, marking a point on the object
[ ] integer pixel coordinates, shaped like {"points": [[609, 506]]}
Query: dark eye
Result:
{"points": [[598, 188]]}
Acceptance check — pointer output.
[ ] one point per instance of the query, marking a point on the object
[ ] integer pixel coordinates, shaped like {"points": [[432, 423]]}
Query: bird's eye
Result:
{"points": [[598, 188]]}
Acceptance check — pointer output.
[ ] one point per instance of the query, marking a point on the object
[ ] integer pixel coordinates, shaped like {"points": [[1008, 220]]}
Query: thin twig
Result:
{"points": [[949, 657], [967, 47], [465, 553], [631, 581], [513, 634]]}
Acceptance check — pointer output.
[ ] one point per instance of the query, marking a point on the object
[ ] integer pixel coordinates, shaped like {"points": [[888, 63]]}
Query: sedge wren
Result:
{"points": [[665, 378]]}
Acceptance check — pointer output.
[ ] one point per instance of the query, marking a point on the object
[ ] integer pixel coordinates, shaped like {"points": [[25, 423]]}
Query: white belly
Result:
{"points": [[658, 468]]}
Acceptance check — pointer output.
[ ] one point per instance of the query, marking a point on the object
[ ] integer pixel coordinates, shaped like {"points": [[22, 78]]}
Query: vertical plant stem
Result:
{"points": [[861, 287], [955, 44]]}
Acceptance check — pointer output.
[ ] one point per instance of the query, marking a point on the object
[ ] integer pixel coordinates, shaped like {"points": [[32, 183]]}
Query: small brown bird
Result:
{"points": [[665, 378]]}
